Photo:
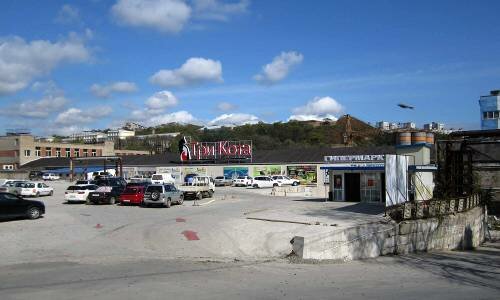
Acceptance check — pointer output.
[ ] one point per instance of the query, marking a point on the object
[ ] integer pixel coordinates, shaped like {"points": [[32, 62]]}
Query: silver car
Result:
{"points": [[163, 194]]}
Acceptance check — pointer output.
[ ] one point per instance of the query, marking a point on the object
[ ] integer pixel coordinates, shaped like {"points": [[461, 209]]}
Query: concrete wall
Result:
{"points": [[460, 231]]}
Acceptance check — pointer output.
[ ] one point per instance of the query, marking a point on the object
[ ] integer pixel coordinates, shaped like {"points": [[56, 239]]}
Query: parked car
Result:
{"points": [[12, 206], [79, 193], [285, 180], [34, 189], [243, 181], [162, 178], [35, 175], [84, 182], [10, 186], [223, 181], [109, 190], [133, 194], [163, 194], [50, 176], [264, 182]]}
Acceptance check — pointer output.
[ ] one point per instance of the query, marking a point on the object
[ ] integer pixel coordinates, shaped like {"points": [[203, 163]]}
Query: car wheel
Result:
{"points": [[112, 200], [155, 196], [33, 213], [181, 199], [275, 184], [256, 186], [87, 202], [295, 183], [168, 203], [51, 193]]}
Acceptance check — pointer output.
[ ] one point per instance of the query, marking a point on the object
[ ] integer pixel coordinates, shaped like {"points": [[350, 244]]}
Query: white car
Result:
{"points": [[264, 182], [285, 180], [35, 189], [50, 176], [162, 178], [243, 181], [79, 193]]}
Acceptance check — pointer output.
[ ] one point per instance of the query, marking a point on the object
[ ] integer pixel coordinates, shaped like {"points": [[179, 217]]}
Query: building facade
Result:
{"points": [[490, 110]]}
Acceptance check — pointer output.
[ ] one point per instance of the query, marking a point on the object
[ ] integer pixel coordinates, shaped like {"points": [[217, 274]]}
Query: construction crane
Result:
{"points": [[348, 141]]}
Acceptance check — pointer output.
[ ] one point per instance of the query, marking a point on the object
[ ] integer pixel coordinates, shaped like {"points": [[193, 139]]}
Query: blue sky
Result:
{"points": [[68, 66]]}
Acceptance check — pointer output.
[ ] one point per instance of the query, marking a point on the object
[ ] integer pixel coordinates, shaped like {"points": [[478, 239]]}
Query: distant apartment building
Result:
{"points": [[408, 125], [133, 126], [17, 150], [383, 125], [434, 126], [490, 110], [92, 137]]}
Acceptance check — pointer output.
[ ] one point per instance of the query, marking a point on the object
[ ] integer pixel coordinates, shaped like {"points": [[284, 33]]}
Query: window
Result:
{"points": [[370, 187], [495, 114], [76, 152], [94, 152], [85, 152], [485, 115], [27, 153], [58, 152], [48, 151], [37, 151], [490, 115], [8, 167], [68, 152]]}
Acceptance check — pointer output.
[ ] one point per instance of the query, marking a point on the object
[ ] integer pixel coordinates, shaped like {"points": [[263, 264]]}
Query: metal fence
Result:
{"points": [[433, 208]]}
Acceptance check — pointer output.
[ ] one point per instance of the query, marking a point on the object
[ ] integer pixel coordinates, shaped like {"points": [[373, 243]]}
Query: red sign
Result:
{"points": [[218, 150]]}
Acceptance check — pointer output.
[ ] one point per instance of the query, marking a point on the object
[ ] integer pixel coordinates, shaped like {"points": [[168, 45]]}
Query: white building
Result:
{"points": [[434, 126], [383, 125], [89, 137], [119, 134], [408, 125]]}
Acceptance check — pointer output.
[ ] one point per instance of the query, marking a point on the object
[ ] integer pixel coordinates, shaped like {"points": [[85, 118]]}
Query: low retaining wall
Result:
{"points": [[459, 231]]}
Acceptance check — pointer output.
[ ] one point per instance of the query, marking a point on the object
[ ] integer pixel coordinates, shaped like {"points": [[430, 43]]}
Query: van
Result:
{"points": [[162, 178]]}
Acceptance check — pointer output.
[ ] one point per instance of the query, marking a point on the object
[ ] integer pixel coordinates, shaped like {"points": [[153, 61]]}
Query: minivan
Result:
{"points": [[162, 178]]}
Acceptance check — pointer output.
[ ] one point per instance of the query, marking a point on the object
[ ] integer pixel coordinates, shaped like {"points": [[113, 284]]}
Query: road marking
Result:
{"points": [[180, 220], [191, 235]]}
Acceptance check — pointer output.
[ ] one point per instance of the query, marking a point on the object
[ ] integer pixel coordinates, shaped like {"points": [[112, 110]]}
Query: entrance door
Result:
{"points": [[352, 187]]}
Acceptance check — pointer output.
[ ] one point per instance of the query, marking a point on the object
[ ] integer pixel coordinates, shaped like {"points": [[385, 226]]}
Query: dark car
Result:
{"points": [[109, 190], [133, 194], [35, 175], [13, 206]]}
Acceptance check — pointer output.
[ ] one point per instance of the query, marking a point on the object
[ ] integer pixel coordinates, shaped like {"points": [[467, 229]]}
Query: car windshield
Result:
{"points": [[82, 182], [132, 190], [154, 188], [219, 177], [28, 185]]}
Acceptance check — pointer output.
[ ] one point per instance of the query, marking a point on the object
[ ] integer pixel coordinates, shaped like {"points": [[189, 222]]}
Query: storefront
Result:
{"points": [[358, 178]]}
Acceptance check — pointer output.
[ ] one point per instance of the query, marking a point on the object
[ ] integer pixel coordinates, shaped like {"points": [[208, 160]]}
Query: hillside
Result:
{"points": [[283, 135]]}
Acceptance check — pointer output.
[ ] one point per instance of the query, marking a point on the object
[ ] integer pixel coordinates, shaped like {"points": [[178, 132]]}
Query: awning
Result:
{"points": [[77, 170], [355, 167]]}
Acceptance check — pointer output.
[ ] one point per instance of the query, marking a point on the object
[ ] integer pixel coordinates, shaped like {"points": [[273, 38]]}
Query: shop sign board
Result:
{"points": [[354, 158], [266, 170], [235, 172], [220, 150], [307, 174]]}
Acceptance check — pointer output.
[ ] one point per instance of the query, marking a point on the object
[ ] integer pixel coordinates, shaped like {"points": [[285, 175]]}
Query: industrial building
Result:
{"points": [[490, 110]]}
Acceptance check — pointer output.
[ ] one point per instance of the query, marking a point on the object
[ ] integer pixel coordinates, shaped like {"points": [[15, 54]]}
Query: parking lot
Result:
{"points": [[220, 228]]}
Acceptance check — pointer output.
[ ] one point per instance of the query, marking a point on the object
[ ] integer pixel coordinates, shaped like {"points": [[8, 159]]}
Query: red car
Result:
{"points": [[133, 194]]}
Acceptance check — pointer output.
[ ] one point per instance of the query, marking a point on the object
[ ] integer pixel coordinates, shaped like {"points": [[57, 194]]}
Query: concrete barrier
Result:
{"points": [[459, 231]]}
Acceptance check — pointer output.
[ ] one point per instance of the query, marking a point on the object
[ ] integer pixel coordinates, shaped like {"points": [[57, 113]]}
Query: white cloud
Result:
{"points": [[182, 117], [65, 130], [318, 108], [234, 119], [312, 117], [74, 116], [105, 91], [167, 16], [161, 100], [22, 61], [226, 106], [216, 11], [279, 68], [68, 14], [195, 70]]}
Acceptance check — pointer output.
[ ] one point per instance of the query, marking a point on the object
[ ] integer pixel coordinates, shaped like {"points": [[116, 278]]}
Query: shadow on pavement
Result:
{"points": [[480, 267]]}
